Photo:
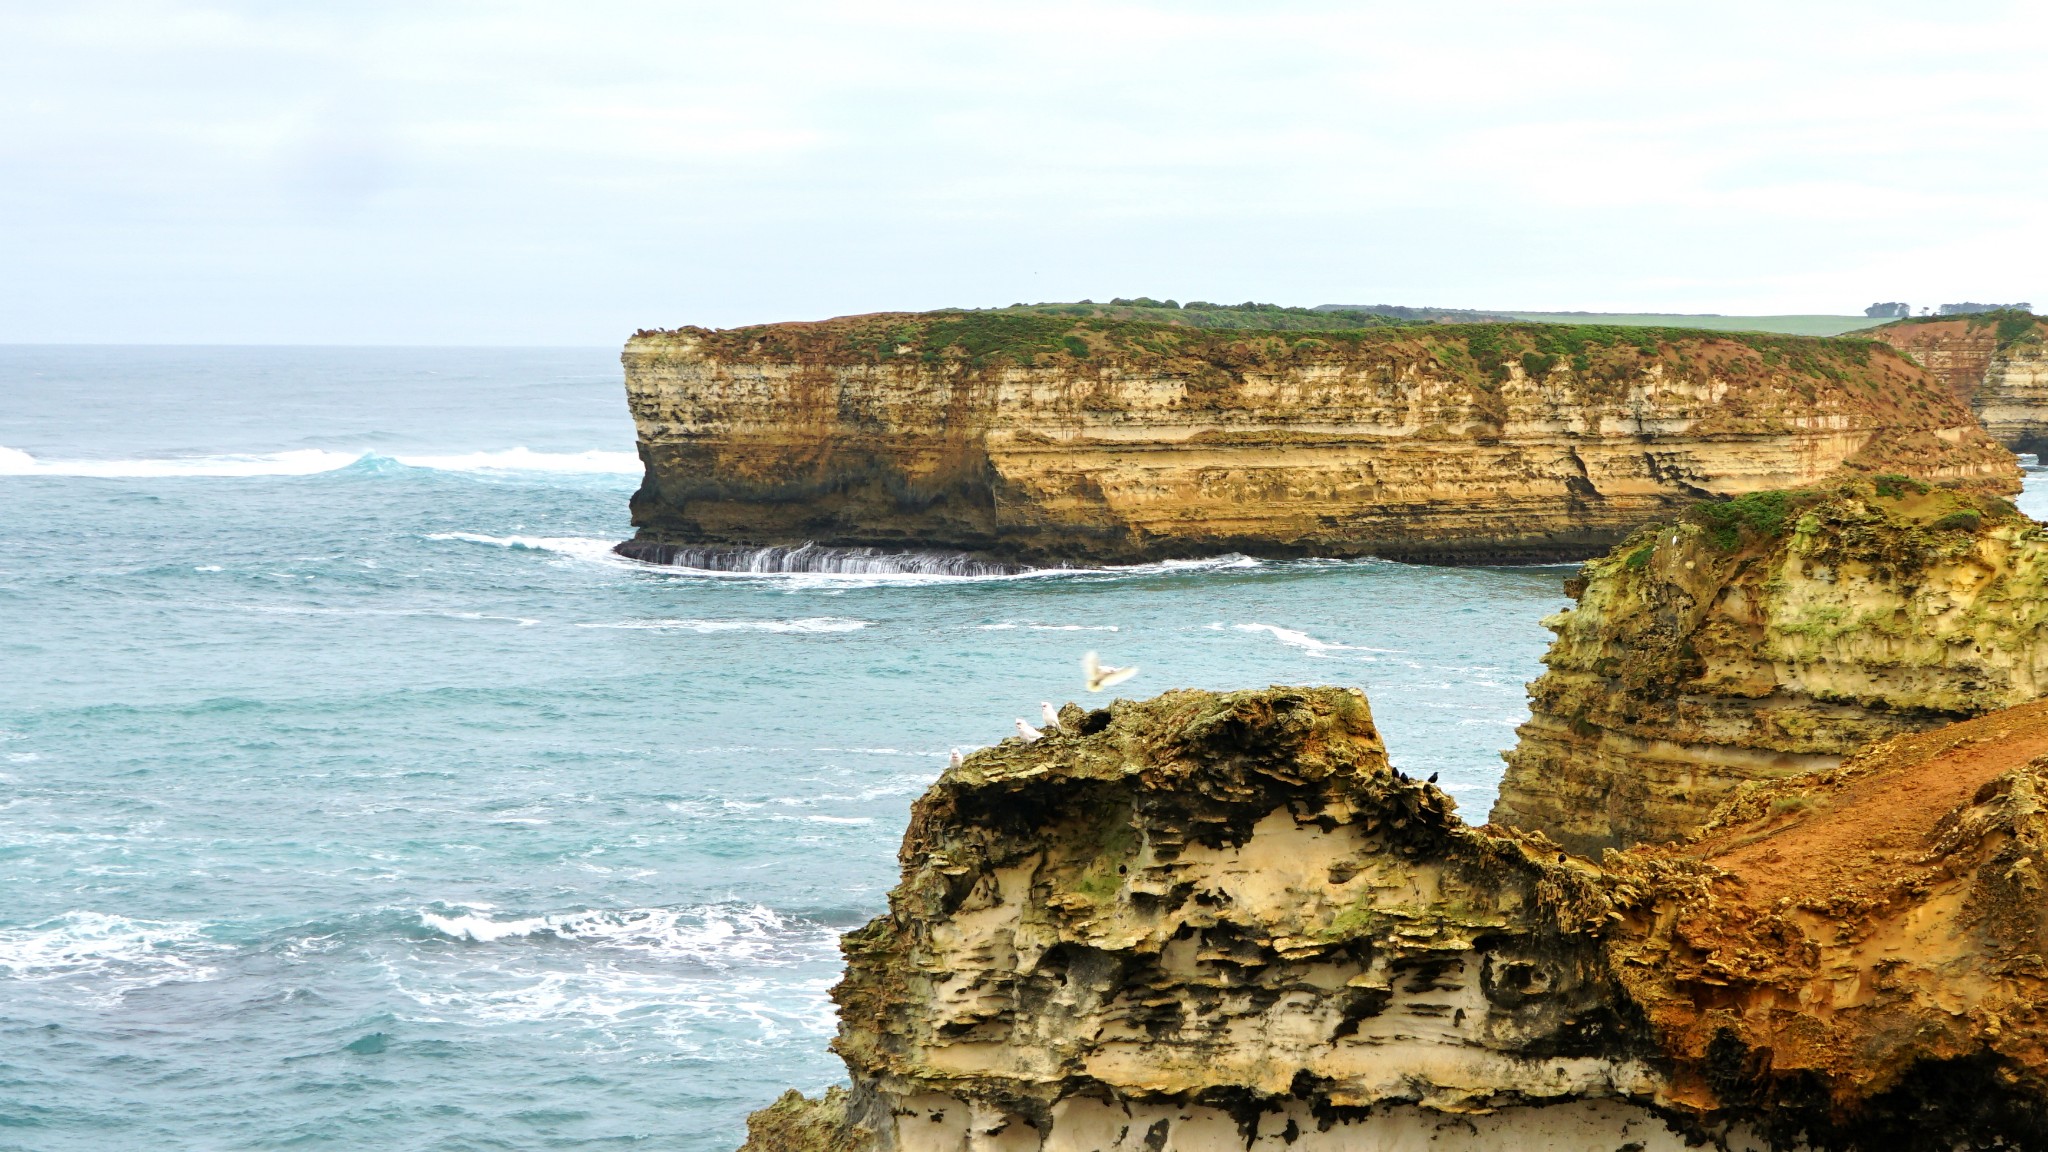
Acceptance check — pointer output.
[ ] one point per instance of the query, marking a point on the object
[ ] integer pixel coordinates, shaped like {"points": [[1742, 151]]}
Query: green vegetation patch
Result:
{"points": [[1758, 515]]}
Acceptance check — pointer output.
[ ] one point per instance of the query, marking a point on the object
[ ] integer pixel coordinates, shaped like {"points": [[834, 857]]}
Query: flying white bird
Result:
{"points": [[1027, 731], [1099, 675], [1052, 718], [953, 761]]}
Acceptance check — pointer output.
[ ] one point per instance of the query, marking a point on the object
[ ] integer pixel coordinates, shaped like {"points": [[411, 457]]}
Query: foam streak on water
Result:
{"points": [[357, 795]]}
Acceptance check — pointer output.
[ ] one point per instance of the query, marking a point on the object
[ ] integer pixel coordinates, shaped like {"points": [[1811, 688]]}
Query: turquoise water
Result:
{"points": [[353, 796]]}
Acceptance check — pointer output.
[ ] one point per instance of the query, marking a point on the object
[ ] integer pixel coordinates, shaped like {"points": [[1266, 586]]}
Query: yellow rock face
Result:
{"points": [[1707, 654], [1040, 439]]}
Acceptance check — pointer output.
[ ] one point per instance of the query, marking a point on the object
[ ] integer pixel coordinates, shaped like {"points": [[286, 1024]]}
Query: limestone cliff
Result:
{"points": [[1997, 363], [1047, 439], [1768, 637], [1222, 921]]}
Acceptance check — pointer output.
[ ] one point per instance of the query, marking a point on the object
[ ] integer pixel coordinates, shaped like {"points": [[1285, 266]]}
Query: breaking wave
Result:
{"points": [[1295, 638], [779, 560], [120, 953], [716, 935]]}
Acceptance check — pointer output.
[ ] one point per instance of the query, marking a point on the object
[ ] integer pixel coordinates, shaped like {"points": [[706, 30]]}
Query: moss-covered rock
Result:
{"points": [[1769, 636]]}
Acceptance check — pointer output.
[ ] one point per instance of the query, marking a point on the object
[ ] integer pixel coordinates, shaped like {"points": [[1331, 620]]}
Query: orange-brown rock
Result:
{"points": [[1860, 953], [1768, 637], [1995, 362], [1048, 439]]}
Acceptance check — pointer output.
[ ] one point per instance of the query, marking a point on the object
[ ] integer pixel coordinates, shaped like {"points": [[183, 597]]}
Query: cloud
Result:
{"points": [[460, 171]]}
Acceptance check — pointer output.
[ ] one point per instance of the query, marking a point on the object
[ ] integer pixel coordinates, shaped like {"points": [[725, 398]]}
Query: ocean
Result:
{"points": [[354, 795]]}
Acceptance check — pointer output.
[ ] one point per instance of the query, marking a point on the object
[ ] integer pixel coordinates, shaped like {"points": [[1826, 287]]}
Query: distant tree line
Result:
{"points": [[1966, 309], [1889, 310]]}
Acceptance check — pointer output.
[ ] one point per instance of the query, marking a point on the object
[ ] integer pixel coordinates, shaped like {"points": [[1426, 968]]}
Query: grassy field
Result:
{"points": [[1785, 325]]}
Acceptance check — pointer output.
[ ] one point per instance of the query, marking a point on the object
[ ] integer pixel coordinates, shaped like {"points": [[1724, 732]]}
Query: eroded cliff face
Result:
{"points": [[1766, 638], [1222, 922], [1996, 363], [1858, 956], [1045, 440]]}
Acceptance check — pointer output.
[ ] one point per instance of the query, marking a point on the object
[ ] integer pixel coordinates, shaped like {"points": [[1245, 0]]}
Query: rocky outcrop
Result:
{"points": [[1222, 921], [1857, 956], [1996, 362], [1768, 637], [1050, 439]]}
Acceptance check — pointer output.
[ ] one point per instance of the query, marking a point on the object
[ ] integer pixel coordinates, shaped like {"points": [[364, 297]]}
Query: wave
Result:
{"points": [[809, 624], [125, 953], [716, 935], [579, 547], [779, 560], [591, 462], [1012, 625], [1295, 638], [313, 461], [299, 462]]}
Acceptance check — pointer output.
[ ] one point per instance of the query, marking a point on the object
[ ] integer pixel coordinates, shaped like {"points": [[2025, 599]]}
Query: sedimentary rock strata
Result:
{"points": [[1769, 637], [1997, 363], [1222, 921], [1047, 439]]}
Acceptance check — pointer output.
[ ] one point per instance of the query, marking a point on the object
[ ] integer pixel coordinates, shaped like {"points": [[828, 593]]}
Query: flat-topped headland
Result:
{"points": [[1024, 437]]}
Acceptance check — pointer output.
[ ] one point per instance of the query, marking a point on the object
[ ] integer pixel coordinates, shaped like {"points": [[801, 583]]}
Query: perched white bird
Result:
{"points": [[1027, 731], [1052, 718], [953, 761], [1098, 675]]}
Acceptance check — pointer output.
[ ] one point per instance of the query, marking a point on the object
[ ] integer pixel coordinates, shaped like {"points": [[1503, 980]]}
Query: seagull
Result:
{"points": [[953, 761], [1098, 675], [1027, 731], [1052, 718]]}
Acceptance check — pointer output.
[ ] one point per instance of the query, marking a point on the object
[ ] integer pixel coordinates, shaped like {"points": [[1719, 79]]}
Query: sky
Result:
{"points": [[440, 172]]}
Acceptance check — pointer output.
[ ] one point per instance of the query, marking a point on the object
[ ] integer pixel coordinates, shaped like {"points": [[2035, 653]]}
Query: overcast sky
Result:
{"points": [[506, 172]]}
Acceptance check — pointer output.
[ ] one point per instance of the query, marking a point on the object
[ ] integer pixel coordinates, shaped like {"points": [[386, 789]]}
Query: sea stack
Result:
{"points": [[1768, 637], [1022, 438]]}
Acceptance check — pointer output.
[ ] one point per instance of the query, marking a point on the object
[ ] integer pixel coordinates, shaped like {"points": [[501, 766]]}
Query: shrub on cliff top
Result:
{"points": [[1758, 514]]}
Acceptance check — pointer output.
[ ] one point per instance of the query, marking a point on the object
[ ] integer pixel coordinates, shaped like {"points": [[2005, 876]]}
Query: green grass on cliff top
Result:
{"points": [[981, 337], [1783, 325], [1340, 317]]}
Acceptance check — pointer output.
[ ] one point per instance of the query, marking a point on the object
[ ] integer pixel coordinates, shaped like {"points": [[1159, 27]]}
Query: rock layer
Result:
{"points": [[1997, 363], [1222, 921], [1769, 637], [1051, 440]]}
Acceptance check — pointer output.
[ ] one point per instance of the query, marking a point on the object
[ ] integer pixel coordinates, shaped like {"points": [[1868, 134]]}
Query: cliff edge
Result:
{"points": [[1996, 362], [1223, 921], [1766, 637], [1052, 439]]}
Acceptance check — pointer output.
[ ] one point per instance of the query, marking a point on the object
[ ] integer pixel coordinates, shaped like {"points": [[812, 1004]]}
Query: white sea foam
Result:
{"points": [[312, 461], [809, 624], [1295, 638], [590, 463], [298, 462], [117, 953], [1011, 625], [717, 935], [577, 547]]}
